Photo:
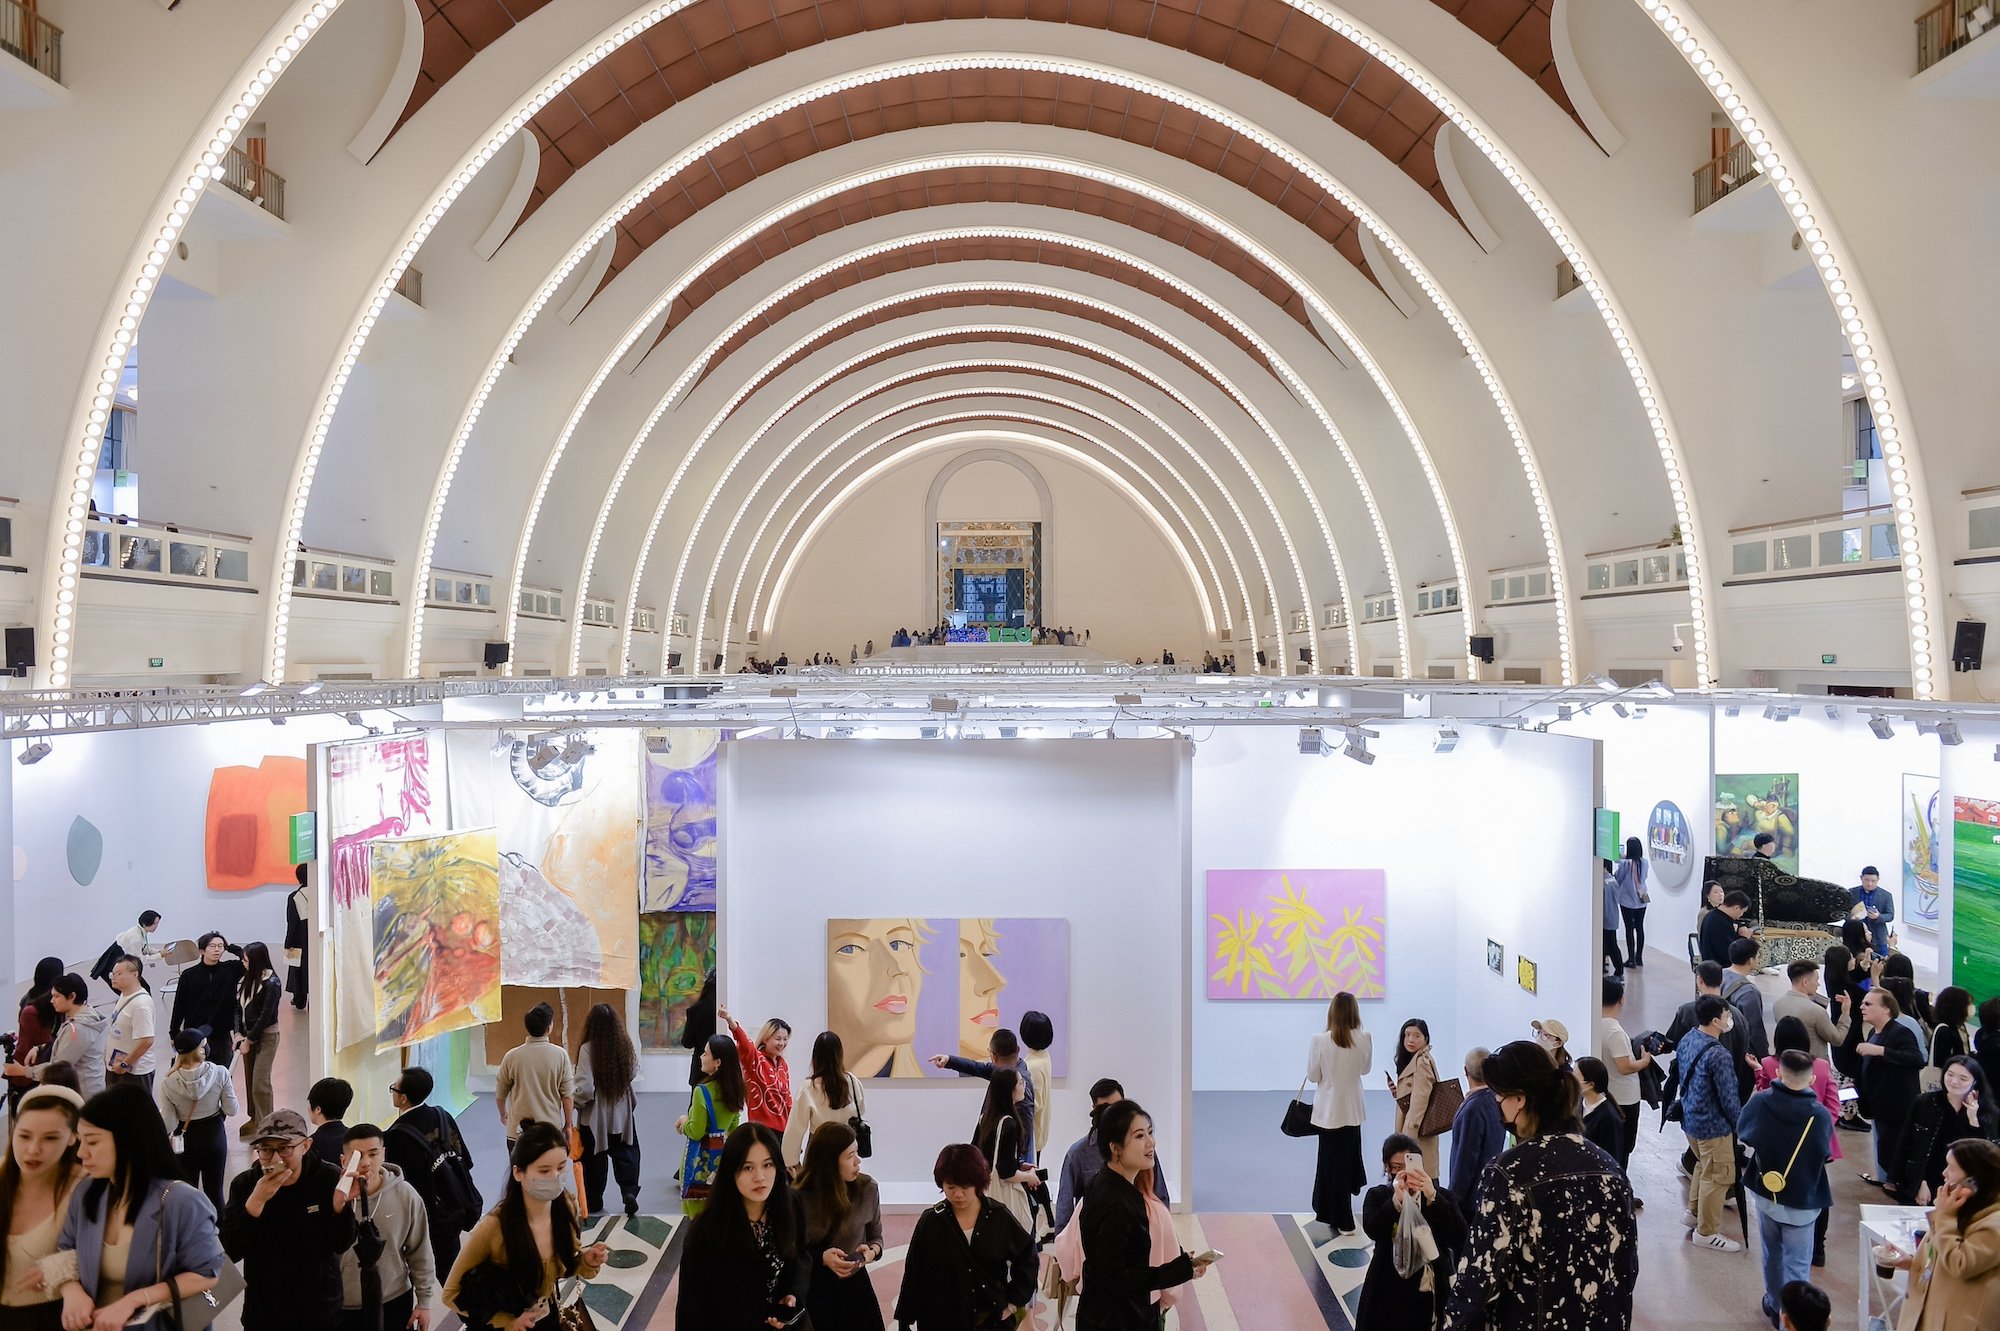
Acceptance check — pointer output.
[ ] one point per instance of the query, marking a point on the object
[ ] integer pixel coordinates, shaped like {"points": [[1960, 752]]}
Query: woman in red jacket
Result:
{"points": [[767, 1078]]}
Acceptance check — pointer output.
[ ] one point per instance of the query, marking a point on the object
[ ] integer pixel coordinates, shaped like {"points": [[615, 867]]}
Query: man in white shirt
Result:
{"points": [[129, 1049], [1614, 1049], [136, 941]]}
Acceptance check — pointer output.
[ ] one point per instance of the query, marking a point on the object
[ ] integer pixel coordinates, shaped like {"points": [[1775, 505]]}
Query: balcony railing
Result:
{"points": [[1437, 598], [462, 591], [1723, 175], [343, 577], [599, 610], [645, 619], [1982, 522], [254, 181], [165, 552], [1333, 616], [1860, 541], [539, 602], [27, 36], [1377, 607], [1637, 568], [1527, 582], [1944, 29]]}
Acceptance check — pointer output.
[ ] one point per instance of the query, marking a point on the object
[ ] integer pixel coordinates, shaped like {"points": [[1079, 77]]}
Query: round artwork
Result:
{"points": [[1669, 846]]}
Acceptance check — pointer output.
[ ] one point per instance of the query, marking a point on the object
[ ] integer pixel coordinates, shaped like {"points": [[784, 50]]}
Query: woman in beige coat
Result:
{"points": [[1416, 1077], [1955, 1274]]}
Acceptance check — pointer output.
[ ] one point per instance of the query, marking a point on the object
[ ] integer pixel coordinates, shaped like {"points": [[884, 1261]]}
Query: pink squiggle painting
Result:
{"points": [[375, 788]]}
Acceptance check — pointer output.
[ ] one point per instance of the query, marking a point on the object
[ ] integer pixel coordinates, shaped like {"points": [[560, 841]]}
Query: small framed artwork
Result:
{"points": [[1524, 973], [1496, 956]]}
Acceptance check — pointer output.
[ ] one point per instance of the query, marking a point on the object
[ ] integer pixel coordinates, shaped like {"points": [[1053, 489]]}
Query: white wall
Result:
{"points": [[1093, 831], [1492, 840]]}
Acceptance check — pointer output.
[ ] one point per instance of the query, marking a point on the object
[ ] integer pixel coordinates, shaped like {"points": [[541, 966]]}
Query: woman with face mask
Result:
{"points": [[507, 1272], [1579, 1272]]}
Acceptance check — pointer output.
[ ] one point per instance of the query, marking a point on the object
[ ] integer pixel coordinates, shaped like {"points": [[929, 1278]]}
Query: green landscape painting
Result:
{"points": [[1975, 902]]}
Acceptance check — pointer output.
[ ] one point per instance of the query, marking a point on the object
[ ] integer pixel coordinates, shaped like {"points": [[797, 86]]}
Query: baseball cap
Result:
{"points": [[1554, 1029], [284, 1125]]}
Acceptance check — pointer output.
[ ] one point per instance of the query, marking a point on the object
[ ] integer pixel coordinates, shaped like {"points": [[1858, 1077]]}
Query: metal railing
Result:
{"points": [[129, 548], [1635, 568], [1861, 541], [464, 591], [539, 602], [340, 576], [1523, 582], [30, 38], [1724, 175], [1953, 24], [1437, 598], [254, 181]]}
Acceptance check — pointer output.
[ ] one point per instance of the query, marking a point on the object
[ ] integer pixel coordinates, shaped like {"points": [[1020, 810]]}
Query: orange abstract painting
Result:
{"points": [[248, 838]]}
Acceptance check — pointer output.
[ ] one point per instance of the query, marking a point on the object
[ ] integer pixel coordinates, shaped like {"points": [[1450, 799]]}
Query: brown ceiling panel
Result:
{"points": [[454, 32], [1519, 30], [971, 251], [956, 300], [944, 187], [1002, 95]]}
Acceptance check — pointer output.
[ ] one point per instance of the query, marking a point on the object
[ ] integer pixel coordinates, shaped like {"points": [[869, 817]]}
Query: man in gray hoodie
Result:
{"points": [[79, 1040], [392, 1240]]}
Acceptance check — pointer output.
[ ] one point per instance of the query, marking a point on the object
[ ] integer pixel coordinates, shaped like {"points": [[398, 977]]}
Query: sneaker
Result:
{"points": [[1689, 1220], [1715, 1241]]}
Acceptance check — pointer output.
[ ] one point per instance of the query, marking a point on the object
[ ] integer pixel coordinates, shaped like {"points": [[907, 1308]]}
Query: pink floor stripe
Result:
{"points": [[1259, 1273]]}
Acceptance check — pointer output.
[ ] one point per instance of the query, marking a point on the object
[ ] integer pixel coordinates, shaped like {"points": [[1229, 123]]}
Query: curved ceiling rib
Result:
{"points": [[788, 297], [989, 413], [954, 440], [1042, 293], [984, 390]]}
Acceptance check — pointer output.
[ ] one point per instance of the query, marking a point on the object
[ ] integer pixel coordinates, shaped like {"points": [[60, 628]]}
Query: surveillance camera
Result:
{"points": [[1677, 644]]}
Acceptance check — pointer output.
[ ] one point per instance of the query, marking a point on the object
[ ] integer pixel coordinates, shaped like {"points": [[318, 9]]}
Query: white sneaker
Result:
{"points": [[1715, 1241], [1689, 1220]]}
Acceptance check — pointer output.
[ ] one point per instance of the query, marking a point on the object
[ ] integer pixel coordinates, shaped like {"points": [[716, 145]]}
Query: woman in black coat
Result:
{"points": [[1891, 1064], [1391, 1301], [1962, 1108], [745, 1263], [970, 1264], [1119, 1277]]}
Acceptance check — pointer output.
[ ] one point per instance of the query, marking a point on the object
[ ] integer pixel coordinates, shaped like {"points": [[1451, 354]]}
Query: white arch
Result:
{"points": [[715, 567], [1286, 374], [927, 556], [1022, 438], [771, 512]]}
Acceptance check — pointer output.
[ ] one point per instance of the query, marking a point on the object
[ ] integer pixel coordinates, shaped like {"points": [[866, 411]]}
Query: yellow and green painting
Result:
{"points": [[1975, 901], [436, 907], [1296, 933]]}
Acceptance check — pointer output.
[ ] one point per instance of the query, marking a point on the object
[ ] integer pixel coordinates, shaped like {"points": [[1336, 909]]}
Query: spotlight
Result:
{"points": [[277, 720], [1447, 740], [545, 756], [1312, 742], [1127, 699], [941, 703], [1564, 711], [575, 749], [1732, 710], [353, 719], [1657, 689], [315, 686], [1622, 710], [1604, 682], [34, 753], [1880, 725], [1776, 712], [252, 690], [1357, 749], [1832, 712], [1009, 732], [1947, 733], [784, 691]]}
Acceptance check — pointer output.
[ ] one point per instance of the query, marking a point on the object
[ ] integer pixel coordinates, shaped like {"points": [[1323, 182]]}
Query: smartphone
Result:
{"points": [[1205, 1258], [784, 1315], [1849, 1094]]}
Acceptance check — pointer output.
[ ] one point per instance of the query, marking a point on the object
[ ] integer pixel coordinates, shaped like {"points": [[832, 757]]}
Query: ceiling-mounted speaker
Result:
{"points": [[1968, 644], [20, 650], [1482, 647], [497, 653]]}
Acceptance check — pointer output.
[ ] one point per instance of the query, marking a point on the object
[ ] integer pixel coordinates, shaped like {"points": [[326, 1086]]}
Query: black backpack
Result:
{"points": [[440, 1171]]}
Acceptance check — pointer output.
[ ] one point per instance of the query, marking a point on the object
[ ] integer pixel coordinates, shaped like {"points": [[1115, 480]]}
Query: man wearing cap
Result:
{"points": [[1874, 907], [288, 1222]]}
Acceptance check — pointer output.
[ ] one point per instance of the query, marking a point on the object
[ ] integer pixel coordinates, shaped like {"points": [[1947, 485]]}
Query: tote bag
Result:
{"points": [[704, 1155]]}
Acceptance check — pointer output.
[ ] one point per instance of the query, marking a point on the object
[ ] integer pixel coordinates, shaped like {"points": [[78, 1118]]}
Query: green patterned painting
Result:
{"points": [[1975, 899], [676, 952]]}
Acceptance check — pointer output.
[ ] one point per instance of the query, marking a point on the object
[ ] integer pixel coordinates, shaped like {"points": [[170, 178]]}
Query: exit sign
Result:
{"points": [[1827, 658], [156, 662]]}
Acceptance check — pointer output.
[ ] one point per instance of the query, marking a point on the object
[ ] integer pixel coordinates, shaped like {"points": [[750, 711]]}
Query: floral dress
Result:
{"points": [[1553, 1243]]}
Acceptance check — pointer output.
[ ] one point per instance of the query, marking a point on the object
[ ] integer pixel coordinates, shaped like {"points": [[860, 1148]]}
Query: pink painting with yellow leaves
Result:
{"points": [[1280, 934]]}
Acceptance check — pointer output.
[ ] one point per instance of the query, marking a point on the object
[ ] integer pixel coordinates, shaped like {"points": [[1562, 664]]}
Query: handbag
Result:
{"points": [[864, 1136], [575, 1315], [1446, 1097], [704, 1155], [1298, 1120], [199, 1310]]}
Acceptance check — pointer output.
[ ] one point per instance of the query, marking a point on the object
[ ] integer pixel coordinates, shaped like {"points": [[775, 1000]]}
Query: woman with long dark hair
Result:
{"points": [[1416, 1076], [258, 999], [607, 1068], [34, 1027], [714, 1110], [1633, 898], [745, 1266], [1840, 977], [1001, 1137], [1579, 1272], [36, 1176], [1336, 1060], [1961, 1108], [136, 1234], [1951, 1029], [1955, 1272], [507, 1272], [831, 1095], [843, 1232], [970, 1264]]}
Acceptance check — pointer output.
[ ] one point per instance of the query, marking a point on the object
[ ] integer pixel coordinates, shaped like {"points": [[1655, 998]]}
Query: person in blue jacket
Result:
{"points": [[1877, 906]]}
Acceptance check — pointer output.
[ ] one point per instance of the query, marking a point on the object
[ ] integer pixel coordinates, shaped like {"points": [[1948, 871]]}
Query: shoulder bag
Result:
{"points": [[199, 1310], [864, 1136], [1298, 1120], [1774, 1179], [704, 1155]]}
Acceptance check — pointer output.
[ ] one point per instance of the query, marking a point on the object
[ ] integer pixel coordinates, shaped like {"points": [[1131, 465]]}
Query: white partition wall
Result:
{"points": [[1489, 841], [1092, 831]]}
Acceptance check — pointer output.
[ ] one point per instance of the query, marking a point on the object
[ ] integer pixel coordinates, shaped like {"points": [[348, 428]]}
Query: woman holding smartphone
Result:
{"points": [[135, 1235], [1955, 1272], [1405, 1288], [843, 1232], [745, 1265], [507, 1273]]}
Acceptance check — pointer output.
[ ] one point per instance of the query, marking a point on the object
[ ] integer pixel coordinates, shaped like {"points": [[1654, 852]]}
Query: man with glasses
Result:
{"points": [[425, 1143], [288, 1222]]}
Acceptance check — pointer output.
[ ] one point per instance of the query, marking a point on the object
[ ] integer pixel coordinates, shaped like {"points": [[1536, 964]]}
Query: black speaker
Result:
{"points": [[1305, 656], [1968, 644], [673, 660], [1482, 647], [497, 653], [20, 650]]}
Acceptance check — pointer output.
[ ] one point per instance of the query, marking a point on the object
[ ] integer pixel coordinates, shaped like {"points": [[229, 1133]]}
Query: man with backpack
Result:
{"points": [[425, 1144]]}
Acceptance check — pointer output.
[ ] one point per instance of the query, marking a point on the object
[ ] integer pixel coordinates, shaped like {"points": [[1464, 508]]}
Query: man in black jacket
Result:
{"points": [[205, 996], [287, 1222], [327, 1101], [413, 1142]]}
